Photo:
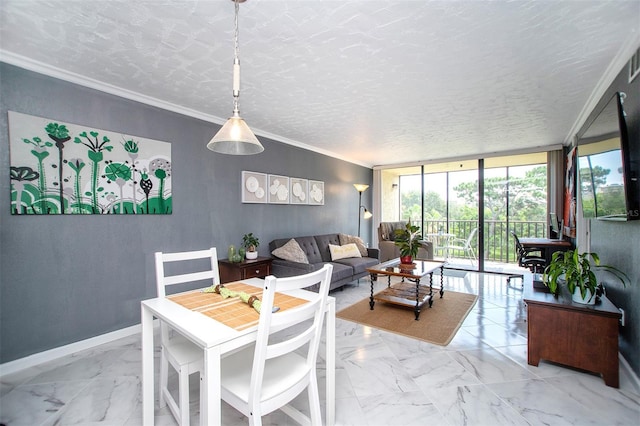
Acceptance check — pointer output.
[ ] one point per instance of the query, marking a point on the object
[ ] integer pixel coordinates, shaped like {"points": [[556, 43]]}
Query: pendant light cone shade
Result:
{"points": [[235, 137]]}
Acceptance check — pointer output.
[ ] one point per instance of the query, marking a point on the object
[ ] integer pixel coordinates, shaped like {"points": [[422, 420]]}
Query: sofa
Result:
{"points": [[388, 248], [317, 251]]}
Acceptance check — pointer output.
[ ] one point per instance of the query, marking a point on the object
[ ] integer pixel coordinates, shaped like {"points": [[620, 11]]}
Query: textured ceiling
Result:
{"points": [[372, 82]]}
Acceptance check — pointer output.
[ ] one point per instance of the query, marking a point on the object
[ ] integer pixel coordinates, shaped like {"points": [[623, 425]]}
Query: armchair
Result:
{"points": [[387, 247]]}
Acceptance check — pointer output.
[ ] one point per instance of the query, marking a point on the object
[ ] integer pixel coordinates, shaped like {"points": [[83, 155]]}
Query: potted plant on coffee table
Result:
{"points": [[408, 241], [576, 271], [250, 243]]}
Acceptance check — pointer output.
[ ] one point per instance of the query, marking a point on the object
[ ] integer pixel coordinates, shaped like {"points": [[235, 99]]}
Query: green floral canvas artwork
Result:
{"points": [[62, 168]]}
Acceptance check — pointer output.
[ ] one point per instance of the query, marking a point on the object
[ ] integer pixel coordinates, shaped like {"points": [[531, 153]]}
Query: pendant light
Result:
{"points": [[235, 137]]}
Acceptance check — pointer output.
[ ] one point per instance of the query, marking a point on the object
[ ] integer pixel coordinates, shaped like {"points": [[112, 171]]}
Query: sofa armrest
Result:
{"points": [[286, 268], [426, 250], [373, 252]]}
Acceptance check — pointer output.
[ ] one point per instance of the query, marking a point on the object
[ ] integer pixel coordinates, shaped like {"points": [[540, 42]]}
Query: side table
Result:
{"points": [[255, 268]]}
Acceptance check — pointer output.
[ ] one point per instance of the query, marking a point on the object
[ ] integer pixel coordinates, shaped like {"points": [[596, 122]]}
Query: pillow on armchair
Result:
{"points": [[386, 230]]}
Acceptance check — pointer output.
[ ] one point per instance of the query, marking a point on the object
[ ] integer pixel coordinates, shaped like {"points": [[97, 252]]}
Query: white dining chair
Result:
{"points": [[184, 356], [268, 375]]}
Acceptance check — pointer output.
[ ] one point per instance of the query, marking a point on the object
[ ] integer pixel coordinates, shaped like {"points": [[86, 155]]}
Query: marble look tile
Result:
{"points": [[349, 412], [408, 408], [127, 364], [375, 376], [104, 400], [437, 371], [406, 347], [35, 404], [473, 405], [496, 335], [621, 407], [83, 366], [543, 404], [490, 366], [353, 347], [464, 340]]}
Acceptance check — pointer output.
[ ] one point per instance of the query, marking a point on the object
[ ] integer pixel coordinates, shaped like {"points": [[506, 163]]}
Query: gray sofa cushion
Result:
{"points": [[323, 242], [341, 271], [359, 264]]}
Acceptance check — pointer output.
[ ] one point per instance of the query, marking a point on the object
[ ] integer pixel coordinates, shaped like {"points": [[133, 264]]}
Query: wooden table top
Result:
{"points": [[392, 267], [544, 242]]}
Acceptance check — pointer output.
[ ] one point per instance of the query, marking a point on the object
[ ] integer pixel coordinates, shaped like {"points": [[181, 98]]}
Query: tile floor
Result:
{"points": [[480, 378]]}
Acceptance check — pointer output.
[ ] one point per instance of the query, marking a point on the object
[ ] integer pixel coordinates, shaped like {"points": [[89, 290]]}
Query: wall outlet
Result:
{"points": [[621, 319]]}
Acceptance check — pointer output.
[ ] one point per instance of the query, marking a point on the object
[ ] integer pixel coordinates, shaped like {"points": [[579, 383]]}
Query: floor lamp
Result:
{"points": [[360, 187]]}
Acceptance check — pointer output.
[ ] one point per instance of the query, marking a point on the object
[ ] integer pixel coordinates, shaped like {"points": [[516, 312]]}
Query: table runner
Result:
{"points": [[232, 312]]}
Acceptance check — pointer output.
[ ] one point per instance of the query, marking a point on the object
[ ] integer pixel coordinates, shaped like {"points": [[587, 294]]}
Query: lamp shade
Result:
{"points": [[235, 138], [367, 214], [360, 187]]}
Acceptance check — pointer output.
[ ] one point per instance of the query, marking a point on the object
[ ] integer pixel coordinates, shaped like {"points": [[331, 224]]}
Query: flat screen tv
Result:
{"points": [[607, 186]]}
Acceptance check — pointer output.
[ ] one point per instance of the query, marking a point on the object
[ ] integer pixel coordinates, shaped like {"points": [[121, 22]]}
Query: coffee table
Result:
{"points": [[410, 293]]}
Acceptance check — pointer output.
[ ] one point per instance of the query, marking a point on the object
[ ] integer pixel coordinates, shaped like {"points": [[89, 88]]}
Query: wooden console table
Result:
{"points": [[576, 335], [256, 268]]}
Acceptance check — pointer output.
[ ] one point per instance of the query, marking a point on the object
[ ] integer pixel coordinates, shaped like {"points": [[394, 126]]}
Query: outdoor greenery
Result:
{"points": [[526, 201], [610, 197]]}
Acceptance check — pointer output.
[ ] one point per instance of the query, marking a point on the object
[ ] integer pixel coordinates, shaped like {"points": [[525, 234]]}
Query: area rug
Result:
{"points": [[437, 324]]}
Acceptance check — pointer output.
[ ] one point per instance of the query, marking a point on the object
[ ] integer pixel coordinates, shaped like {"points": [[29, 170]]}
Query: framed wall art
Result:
{"points": [[64, 168], [316, 193], [278, 189], [298, 191], [254, 187]]}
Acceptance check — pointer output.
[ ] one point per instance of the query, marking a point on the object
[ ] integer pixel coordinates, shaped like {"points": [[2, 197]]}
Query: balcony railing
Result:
{"points": [[499, 244]]}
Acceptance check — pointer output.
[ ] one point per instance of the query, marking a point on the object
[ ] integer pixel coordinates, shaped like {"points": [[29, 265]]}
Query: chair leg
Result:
{"points": [[183, 390], [164, 373], [314, 401]]}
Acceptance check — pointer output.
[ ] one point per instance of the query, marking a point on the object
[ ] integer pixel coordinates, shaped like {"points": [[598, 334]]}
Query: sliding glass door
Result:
{"points": [[459, 204]]}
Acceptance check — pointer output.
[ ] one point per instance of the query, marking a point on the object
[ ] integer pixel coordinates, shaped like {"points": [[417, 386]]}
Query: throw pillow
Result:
{"points": [[343, 252], [291, 251], [346, 239]]}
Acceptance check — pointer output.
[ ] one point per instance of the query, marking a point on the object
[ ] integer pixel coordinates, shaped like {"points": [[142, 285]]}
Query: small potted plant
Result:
{"points": [[408, 241], [250, 243], [577, 272]]}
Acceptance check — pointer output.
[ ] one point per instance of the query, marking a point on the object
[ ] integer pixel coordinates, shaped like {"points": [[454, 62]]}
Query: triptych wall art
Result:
{"points": [[63, 168], [276, 189]]}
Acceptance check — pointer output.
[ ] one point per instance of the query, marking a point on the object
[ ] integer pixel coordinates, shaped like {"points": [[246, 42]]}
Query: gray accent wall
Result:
{"points": [[68, 278], [618, 243]]}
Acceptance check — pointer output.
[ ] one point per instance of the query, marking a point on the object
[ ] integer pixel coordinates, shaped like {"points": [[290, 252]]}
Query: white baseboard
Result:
{"points": [[55, 353]]}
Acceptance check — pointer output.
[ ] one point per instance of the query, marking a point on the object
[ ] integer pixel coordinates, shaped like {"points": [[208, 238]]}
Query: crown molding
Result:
{"points": [[617, 64], [71, 77]]}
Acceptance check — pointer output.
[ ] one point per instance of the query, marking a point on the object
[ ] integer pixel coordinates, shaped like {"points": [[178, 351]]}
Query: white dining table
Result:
{"points": [[216, 340]]}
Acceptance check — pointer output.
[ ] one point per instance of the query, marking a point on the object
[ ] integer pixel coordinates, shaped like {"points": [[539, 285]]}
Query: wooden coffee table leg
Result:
{"points": [[417, 308], [441, 281], [374, 278]]}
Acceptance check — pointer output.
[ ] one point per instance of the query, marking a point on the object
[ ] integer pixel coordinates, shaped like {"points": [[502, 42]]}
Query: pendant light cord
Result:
{"points": [[236, 64]]}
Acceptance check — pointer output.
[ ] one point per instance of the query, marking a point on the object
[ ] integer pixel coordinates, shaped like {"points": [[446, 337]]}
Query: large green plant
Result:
{"points": [[577, 271], [408, 240]]}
